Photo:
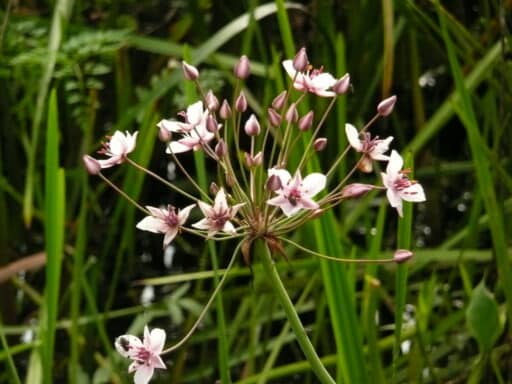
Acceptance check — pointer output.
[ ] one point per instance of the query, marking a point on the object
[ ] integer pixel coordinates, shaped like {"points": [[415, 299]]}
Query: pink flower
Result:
{"points": [[313, 81], [117, 148], [194, 130], [145, 354], [371, 148], [398, 185], [165, 221], [295, 194], [217, 218]]}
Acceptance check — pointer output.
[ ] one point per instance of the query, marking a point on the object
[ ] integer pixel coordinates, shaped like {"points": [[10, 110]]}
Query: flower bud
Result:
{"points": [[386, 106], [241, 102], [252, 126], [242, 69], [92, 165], [274, 183], [306, 121], [164, 134], [292, 115], [214, 188], [402, 255], [189, 71], [279, 100], [320, 144], [355, 190], [300, 61], [221, 149], [225, 110], [341, 86], [253, 161], [273, 117], [211, 124], [211, 101]]}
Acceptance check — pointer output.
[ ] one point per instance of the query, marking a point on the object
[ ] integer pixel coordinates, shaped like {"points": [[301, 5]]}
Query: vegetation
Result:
{"points": [[76, 273]]}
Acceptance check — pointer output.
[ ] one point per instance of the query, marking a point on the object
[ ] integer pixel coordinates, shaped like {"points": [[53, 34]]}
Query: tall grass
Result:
{"points": [[427, 320]]}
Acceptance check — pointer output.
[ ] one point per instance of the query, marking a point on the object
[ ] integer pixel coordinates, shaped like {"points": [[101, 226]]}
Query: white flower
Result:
{"points": [[217, 218], [117, 148], [313, 81], [398, 185], [295, 194], [194, 130], [145, 354], [165, 221], [372, 149]]}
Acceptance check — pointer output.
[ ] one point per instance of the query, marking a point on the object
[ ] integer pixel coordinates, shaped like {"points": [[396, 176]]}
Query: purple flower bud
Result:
{"points": [[279, 100], [306, 121], [292, 115], [211, 101], [355, 190], [214, 188], [221, 149], [274, 183], [211, 124], [273, 117], [342, 85], [253, 161], [164, 135], [225, 110], [320, 144], [241, 102], [242, 68], [386, 106], [252, 126], [402, 255], [300, 61], [189, 71], [92, 165]]}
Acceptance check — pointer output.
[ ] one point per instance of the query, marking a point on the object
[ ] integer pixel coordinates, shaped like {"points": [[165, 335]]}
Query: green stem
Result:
{"points": [[295, 323]]}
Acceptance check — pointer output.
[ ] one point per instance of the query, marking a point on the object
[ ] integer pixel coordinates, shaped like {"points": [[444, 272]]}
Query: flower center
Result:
{"points": [[218, 219], [143, 355], [294, 196], [172, 218]]}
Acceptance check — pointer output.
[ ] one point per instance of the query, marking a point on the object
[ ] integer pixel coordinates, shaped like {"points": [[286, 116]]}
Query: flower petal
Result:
{"points": [[353, 137], [283, 175], [177, 147], [313, 183], [170, 235], [184, 213], [323, 81], [195, 112], [156, 340], [201, 224], [288, 67], [395, 200], [413, 193], [152, 224], [229, 228], [395, 163], [127, 345], [143, 374]]}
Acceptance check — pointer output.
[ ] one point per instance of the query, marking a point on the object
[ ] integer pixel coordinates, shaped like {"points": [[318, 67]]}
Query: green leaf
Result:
{"points": [[482, 317]]}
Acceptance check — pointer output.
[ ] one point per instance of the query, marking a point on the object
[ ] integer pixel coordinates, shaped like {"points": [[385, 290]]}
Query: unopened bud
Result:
{"points": [[355, 190], [253, 161], [230, 179], [211, 101], [292, 115], [252, 126], [402, 255], [300, 61], [320, 144], [279, 100], [342, 85], [273, 117], [243, 68], [221, 149], [92, 165], [211, 124], [274, 183], [189, 71], [164, 134], [386, 106], [225, 110], [241, 102], [306, 121], [214, 188]]}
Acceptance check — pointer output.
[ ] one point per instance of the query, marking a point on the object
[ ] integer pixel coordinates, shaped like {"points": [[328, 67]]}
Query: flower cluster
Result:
{"points": [[262, 194]]}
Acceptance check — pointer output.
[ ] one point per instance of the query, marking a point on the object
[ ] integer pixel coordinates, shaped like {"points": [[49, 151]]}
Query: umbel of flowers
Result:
{"points": [[264, 191]]}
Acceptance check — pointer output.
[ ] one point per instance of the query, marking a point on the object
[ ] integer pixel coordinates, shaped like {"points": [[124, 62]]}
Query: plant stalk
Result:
{"points": [[318, 368]]}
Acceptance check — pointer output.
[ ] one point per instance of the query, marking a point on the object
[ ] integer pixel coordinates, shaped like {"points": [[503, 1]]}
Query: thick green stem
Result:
{"points": [[295, 323]]}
